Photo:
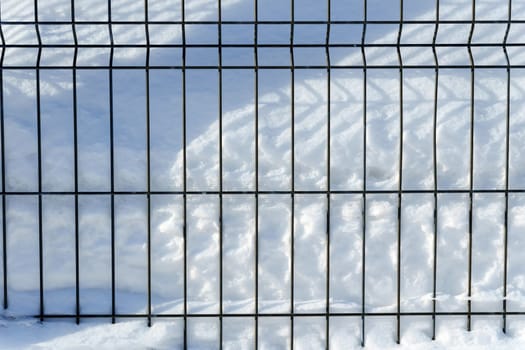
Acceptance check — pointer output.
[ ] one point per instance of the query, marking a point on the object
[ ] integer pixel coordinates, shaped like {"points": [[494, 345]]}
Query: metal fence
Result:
{"points": [[291, 44]]}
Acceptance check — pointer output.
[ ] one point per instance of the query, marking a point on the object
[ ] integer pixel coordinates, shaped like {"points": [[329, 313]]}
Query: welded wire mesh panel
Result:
{"points": [[264, 173]]}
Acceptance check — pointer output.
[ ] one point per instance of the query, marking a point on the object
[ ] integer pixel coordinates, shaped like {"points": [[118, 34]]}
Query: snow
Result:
{"points": [[18, 330], [30, 334]]}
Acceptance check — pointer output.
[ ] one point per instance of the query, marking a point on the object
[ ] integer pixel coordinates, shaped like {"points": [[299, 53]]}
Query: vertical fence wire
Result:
{"points": [[328, 166], [400, 175], [184, 171], [2, 141], [221, 233], [75, 165], [471, 168], [363, 211], [148, 159], [292, 179], [507, 165], [112, 165], [39, 154], [256, 102], [435, 173]]}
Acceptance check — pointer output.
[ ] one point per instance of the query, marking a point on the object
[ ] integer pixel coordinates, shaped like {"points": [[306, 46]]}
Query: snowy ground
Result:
{"points": [[274, 270], [29, 334]]}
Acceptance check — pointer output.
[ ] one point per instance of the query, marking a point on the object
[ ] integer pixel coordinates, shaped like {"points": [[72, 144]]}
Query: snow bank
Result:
{"points": [[275, 173]]}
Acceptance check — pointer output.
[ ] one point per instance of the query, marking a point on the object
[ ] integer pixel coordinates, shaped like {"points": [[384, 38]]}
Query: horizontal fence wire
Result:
{"points": [[255, 45]]}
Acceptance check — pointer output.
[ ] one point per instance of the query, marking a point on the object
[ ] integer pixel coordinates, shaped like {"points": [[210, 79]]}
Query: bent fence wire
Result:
{"points": [[287, 41]]}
